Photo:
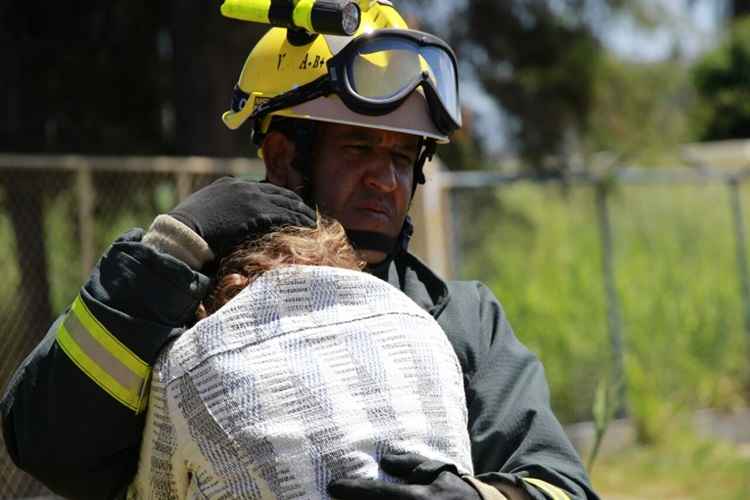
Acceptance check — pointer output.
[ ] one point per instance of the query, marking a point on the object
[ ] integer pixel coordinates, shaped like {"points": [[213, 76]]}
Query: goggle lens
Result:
{"points": [[383, 74], [388, 68]]}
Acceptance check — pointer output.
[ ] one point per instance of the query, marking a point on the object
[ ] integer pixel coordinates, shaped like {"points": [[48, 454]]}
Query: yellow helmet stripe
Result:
{"points": [[103, 358]]}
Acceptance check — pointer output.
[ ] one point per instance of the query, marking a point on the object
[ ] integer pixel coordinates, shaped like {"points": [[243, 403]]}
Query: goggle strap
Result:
{"points": [[320, 87], [444, 121]]}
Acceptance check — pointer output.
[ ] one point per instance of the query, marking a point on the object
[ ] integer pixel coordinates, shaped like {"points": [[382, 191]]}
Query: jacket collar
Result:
{"points": [[410, 275]]}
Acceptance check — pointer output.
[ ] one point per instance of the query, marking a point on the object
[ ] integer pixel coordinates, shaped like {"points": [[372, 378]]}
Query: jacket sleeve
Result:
{"points": [[516, 438], [72, 414]]}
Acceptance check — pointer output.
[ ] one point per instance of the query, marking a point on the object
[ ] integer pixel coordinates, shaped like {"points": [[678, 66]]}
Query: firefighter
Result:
{"points": [[345, 125]]}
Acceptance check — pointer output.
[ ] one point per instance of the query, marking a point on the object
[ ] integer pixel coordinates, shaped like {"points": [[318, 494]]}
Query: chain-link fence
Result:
{"points": [[644, 271], [57, 215], [636, 281]]}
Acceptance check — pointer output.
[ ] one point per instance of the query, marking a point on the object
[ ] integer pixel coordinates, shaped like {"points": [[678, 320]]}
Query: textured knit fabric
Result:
{"points": [[309, 375], [174, 238]]}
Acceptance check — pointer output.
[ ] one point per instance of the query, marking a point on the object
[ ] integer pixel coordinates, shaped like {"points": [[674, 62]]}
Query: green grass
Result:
{"points": [[684, 467], [677, 282]]}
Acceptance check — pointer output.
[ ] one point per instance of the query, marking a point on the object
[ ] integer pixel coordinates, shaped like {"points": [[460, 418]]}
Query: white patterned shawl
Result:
{"points": [[310, 374]]}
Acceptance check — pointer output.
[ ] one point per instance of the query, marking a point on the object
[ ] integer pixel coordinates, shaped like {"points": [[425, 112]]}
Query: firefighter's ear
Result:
{"points": [[278, 155]]}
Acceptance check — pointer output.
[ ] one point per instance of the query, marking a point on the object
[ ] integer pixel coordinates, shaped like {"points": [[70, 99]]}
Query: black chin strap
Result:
{"points": [[369, 240]]}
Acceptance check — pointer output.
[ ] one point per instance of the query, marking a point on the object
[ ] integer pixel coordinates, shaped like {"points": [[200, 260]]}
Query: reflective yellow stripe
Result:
{"points": [[109, 341], [551, 491], [255, 11], [103, 358]]}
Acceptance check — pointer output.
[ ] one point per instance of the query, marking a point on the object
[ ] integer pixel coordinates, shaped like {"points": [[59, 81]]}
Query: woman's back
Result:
{"points": [[308, 375]]}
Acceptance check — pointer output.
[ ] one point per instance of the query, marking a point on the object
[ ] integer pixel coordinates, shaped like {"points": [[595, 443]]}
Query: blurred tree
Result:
{"points": [[82, 77], [540, 67], [638, 111], [539, 59], [108, 78], [209, 51], [121, 78], [722, 78], [740, 8], [78, 78]]}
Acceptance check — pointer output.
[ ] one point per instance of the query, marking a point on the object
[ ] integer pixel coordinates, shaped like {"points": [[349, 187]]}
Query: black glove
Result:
{"points": [[428, 480], [232, 210]]}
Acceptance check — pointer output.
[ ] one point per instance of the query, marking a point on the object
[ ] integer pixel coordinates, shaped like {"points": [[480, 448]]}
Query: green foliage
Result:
{"points": [[543, 62], [539, 64], [722, 78], [541, 258], [638, 114], [677, 281], [677, 273]]}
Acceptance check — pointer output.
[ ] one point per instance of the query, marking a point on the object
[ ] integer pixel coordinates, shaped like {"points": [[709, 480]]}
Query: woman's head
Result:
{"points": [[324, 245]]}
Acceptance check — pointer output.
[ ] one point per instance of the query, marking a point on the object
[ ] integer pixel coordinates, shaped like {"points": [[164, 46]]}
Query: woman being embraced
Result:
{"points": [[301, 371]]}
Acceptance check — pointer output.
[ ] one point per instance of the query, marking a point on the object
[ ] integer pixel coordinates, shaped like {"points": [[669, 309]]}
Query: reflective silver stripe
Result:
{"points": [[94, 350]]}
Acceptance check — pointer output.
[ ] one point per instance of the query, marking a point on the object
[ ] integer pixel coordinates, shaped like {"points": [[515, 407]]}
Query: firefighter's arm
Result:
{"points": [[73, 413], [517, 442]]}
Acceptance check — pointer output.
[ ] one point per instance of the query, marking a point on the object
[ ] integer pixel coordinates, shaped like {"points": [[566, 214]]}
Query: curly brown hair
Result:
{"points": [[323, 245]]}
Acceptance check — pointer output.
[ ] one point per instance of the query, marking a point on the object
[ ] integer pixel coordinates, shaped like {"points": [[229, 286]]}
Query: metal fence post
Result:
{"points": [[741, 243], [86, 201], [614, 314]]}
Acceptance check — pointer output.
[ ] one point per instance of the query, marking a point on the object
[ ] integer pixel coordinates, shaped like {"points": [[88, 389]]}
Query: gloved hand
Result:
{"points": [[428, 480], [231, 210]]}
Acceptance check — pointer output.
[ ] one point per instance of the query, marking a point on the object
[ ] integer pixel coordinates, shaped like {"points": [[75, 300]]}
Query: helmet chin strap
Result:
{"points": [[368, 240], [379, 242]]}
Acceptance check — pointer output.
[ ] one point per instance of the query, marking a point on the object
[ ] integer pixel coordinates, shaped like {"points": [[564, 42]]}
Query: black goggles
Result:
{"points": [[376, 72]]}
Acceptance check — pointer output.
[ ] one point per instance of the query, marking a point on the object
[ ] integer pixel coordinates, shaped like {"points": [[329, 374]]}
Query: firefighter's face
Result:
{"points": [[363, 178]]}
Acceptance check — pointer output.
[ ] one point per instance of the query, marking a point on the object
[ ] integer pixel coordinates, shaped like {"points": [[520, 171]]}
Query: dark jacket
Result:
{"points": [[80, 441]]}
